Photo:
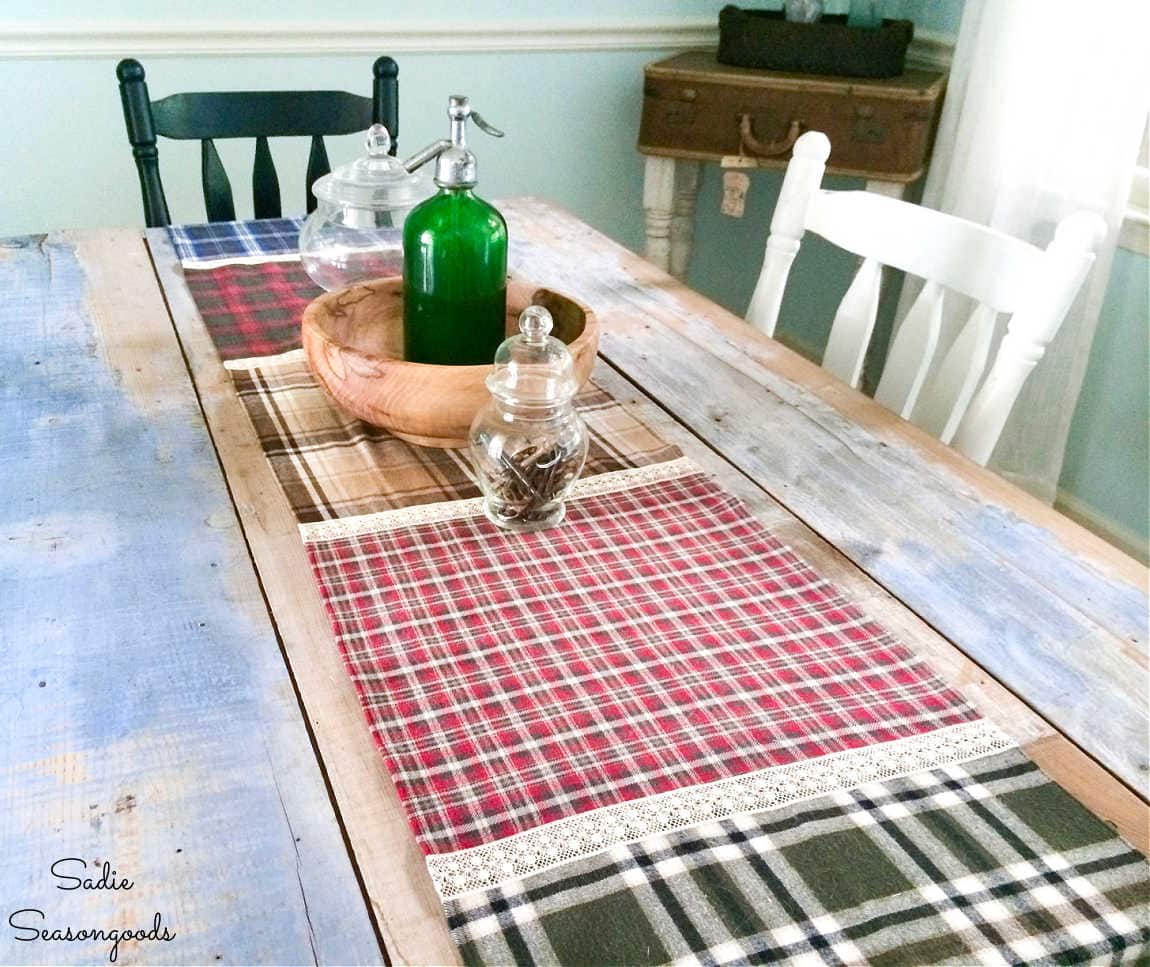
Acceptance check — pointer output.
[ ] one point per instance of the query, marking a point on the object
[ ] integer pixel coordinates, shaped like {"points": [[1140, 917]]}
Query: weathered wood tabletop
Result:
{"points": [[158, 607]]}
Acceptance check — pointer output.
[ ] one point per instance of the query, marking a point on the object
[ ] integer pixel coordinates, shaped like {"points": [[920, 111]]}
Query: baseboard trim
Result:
{"points": [[1101, 524], [109, 38]]}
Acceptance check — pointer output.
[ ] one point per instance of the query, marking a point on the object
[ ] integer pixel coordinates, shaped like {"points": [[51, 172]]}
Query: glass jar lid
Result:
{"points": [[533, 367], [377, 180]]}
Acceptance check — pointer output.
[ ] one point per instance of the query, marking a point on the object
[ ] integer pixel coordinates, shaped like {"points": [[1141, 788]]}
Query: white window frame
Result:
{"points": [[1135, 234]]}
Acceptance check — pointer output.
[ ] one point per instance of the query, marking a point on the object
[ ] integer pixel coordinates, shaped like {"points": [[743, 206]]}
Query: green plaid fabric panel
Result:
{"points": [[984, 863]]}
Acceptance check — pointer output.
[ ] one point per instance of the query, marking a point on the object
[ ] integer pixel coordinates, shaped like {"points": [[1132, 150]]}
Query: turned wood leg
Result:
{"points": [[658, 207], [683, 216], [892, 189]]}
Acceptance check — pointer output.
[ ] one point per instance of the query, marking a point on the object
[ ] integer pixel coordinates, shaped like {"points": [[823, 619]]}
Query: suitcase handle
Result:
{"points": [[749, 144]]}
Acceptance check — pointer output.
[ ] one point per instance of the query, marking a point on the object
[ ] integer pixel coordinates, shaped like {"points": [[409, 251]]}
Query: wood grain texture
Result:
{"points": [[148, 718], [391, 865], [1050, 610]]}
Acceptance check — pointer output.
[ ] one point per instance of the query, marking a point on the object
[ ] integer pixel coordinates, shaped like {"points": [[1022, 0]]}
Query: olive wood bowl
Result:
{"points": [[353, 341]]}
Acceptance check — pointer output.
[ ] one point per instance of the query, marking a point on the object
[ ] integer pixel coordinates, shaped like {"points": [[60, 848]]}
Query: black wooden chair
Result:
{"points": [[247, 114]]}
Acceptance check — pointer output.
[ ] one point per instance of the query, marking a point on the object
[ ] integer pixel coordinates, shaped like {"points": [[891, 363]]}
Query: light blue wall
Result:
{"points": [[571, 118], [1108, 454]]}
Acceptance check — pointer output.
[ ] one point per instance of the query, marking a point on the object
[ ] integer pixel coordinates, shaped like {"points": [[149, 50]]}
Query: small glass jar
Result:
{"points": [[528, 443], [356, 231]]}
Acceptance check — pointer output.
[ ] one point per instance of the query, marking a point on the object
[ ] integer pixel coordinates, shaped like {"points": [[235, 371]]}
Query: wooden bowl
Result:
{"points": [[353, 340]]}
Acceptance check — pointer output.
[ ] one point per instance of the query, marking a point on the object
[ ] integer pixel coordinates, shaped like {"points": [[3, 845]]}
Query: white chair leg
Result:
{"points": [[892, 189], [658, 207]]}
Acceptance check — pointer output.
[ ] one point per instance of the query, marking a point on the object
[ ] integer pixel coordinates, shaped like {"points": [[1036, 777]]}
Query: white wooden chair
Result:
{"points": [[1000, 273]]}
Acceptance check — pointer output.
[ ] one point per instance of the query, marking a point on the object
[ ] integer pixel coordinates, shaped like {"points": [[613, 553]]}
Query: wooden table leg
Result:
{"points": [[683, 216], [658, 207], [892, 189]]}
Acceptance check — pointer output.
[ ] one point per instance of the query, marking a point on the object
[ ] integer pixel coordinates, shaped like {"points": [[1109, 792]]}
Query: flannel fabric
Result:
{"points": [[252, 310], [984, 863], [221, 240], [333, 465], [660, 639]]}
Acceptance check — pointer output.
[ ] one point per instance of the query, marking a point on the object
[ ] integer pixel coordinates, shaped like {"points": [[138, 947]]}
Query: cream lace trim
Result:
{"points": [[385, 520], [194, 263], [577, 837], [292, 356]]}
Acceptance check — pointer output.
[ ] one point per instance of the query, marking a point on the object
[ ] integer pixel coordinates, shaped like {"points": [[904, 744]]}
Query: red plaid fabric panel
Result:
{"points": [[659, 638], [252, 310]]}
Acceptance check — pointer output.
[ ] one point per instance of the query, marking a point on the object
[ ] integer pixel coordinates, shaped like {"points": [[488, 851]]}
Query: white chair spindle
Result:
{"points": [[1067, 260], [800, 185], [853, 325], [943, 404], [911, 352]]}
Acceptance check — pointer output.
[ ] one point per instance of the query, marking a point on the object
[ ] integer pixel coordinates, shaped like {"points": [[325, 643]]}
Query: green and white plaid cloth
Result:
{"points": [[986, 863]]}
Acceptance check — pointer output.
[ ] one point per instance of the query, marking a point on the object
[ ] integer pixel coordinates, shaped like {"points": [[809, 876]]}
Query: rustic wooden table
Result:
{"points": [[172, 699]]}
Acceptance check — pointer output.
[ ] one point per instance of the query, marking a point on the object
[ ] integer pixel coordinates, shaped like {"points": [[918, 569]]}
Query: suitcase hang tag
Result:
{"points": [[735, 186]]}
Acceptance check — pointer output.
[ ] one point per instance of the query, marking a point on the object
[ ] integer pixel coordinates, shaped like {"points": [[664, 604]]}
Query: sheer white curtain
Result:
{"points": [[1045, 107]]}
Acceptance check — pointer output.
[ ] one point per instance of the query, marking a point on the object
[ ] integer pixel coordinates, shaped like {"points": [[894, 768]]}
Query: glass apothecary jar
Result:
{"points": [[356, 230], [528, 443]]}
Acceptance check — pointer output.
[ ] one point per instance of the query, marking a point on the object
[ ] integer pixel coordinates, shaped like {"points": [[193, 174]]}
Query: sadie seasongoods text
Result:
{"points": [[30, 924]]}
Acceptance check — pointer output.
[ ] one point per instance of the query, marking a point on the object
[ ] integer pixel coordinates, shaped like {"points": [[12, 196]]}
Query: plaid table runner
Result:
{"points": [[652, 734], [260, 238]]}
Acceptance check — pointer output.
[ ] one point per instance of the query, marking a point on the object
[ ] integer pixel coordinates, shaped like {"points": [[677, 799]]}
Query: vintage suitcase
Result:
{"points": [[695, 107]]}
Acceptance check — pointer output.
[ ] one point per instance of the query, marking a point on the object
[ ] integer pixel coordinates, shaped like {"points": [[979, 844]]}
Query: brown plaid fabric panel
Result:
{"points": [[332, 465]]}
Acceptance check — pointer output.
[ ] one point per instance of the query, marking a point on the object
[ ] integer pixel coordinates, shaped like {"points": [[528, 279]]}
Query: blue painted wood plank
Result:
{"points": [[147, 716]]}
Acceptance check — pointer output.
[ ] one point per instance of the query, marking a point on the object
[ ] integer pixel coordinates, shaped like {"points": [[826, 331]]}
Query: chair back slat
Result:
{"points": [[317, 167], [217, 189], [209, 116], [911, 352], [853, 325], [253, 114], [265, 183], [943, 403], [979, 262]]}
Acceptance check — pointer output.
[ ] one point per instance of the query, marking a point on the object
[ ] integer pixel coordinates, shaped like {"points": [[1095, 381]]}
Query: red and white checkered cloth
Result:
{"points": [[659, 638]]}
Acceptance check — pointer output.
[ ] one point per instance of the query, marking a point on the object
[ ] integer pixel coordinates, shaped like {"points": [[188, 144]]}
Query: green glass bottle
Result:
{"points": [[454, 258]]}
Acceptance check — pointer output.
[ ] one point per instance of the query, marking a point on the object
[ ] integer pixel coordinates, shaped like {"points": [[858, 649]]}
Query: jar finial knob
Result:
{"points": [[535, 323], [378, 141]]}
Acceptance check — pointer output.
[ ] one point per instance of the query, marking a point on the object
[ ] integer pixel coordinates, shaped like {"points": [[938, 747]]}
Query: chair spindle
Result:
{"points": [[317, 167], [265, 183], [941, 408], [911, 352], [854, 322], [217, 189]]}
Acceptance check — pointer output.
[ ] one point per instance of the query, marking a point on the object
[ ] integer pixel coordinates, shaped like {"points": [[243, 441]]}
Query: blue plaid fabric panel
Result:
{"points": [[221, 240]]}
